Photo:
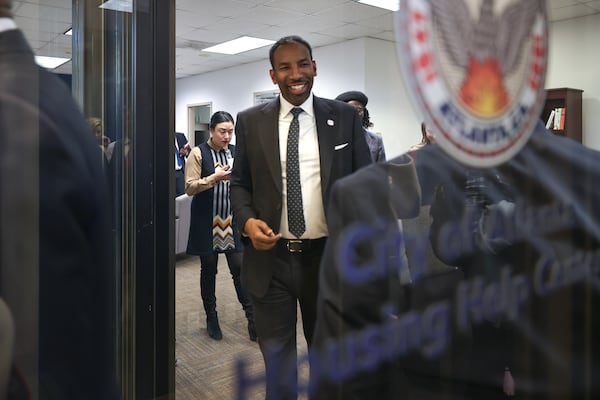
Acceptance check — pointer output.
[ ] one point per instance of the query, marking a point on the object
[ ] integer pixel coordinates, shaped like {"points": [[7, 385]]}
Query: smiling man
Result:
{"points": [[290, 151]]}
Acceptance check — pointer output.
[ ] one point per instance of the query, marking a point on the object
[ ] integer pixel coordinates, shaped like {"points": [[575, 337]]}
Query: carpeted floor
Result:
{"points": [[206, 368]]}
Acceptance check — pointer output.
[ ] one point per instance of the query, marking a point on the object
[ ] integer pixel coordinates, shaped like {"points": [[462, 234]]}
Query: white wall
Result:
{"points": [[395, 116], [574, 61], [230, 90], [371, 65]]}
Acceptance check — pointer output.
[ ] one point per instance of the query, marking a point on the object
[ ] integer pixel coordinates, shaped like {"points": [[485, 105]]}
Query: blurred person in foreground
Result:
{"points": [[518, 216], [56, 276]]}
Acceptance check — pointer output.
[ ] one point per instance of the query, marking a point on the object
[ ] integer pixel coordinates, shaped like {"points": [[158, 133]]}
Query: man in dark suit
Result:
{"points": [[182, 148], [282, 257], [56, 274]]}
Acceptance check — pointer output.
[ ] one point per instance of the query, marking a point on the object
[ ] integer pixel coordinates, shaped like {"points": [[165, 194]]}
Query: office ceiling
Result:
{"points": [[202, 23]]}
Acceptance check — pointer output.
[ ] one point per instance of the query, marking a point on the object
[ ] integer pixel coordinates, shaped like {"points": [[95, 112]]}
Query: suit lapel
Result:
{"points": [[269, 140], [327, 126]]}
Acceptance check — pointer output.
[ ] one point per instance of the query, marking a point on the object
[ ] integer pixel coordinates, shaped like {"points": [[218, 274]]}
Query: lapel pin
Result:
{"points": [[330, 122]]}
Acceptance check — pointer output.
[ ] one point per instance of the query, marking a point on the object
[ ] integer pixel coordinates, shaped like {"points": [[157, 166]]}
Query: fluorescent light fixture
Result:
{"points": [[239, 45], [50, 62], [118, 5], [391, 5], [69, 32]]}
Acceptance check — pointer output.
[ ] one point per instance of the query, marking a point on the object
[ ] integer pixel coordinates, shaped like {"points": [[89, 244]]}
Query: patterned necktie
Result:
{"points": [[178, 159], [292, 170]]}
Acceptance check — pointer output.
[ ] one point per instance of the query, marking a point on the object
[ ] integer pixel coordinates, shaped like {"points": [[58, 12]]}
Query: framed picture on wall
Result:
{"points": [[265, 96]]}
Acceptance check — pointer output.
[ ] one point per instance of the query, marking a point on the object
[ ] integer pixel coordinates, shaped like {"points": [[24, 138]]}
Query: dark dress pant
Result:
{"points": [[295, 280]]}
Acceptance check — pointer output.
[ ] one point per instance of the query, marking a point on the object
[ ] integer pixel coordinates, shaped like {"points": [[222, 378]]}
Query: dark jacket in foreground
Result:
{"points": [[522, 302], [57, 275]]}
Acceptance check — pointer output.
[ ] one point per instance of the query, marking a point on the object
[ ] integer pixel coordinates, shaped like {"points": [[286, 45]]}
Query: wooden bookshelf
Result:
{"points": [[570, 100]]}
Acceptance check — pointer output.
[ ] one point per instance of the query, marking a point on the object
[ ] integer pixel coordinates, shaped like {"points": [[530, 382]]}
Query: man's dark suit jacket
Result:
{"points": [[256, 183], [534, 321], [55, 228], [181, 142]]}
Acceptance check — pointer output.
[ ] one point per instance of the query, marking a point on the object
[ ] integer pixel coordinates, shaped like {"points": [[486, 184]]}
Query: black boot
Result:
{"points": [[213, 328], [251, 330], [234, 260]]}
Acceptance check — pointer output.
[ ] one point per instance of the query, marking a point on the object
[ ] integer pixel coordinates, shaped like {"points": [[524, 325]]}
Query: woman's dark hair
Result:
{"points": [[366, 121], [424, 139], [288, 40], [218, 117]]}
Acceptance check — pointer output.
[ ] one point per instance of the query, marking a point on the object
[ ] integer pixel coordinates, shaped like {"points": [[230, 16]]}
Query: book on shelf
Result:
{"points": [[556, 124], [550, 121], [559, 118]]}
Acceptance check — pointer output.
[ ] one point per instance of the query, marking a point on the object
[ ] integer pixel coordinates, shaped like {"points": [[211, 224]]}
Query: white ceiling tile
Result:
{"points": [[50, 27], [271, 16], [351, 31], [212, 35], [215, 8], [561, 3], [43, 12], [385, 35], [256, 2], [353, 12], [195, 19], [575, 11], [384, 22], [593, 4], [306, 6], [314, 23], [317, 39]]}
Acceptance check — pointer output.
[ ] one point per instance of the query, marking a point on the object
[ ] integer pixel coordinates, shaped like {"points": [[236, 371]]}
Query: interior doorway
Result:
{"points": [[198, 122]]}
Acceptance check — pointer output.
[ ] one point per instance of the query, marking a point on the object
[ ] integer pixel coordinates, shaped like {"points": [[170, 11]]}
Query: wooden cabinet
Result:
{"points": [[569, 100]]}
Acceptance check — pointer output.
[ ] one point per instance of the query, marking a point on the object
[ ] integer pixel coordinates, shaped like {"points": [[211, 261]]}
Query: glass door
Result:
{"points": [[123, 77]]}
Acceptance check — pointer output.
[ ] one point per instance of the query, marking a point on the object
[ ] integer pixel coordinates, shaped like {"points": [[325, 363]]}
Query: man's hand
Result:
{"points": [[261, 235], [183, 152]]}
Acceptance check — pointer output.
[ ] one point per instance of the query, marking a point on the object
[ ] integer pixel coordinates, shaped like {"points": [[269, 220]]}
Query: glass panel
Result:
{"points": [[102, 67], [107, 56]]}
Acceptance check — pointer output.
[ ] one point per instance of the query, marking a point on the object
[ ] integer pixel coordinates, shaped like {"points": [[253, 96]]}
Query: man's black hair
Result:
{"points": [[288, 40]]}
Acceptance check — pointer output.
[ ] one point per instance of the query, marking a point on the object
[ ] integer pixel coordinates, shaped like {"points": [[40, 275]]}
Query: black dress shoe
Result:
{"points": [[213, 328], [251, 330]]}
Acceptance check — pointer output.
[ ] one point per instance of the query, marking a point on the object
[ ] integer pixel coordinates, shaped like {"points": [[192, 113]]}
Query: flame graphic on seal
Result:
{"points": [[488, 49]]}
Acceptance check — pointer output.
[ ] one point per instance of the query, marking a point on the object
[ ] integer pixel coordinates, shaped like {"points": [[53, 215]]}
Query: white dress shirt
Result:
{"points": [[310, 169]]}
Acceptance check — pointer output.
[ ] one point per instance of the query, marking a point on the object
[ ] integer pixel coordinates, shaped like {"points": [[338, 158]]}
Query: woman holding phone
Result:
{"points": [[212, 231]]}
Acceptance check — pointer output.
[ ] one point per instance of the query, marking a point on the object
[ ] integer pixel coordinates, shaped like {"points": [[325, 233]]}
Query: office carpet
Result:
{"points": [[206, 368]]}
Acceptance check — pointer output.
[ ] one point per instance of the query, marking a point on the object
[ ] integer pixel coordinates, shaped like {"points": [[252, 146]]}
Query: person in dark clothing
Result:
{"points": [[182, 148], [359, 101]]}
